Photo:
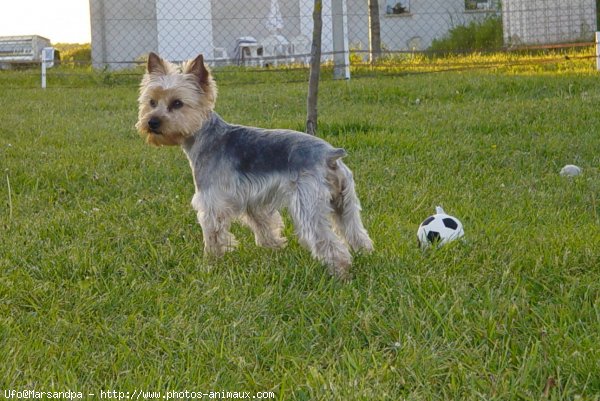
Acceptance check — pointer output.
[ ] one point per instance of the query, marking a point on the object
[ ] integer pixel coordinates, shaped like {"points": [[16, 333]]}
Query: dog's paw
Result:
{"points": [[341, 271], [220, 248], [363, 245], [231, 244], [273, 243], [339, 265]]}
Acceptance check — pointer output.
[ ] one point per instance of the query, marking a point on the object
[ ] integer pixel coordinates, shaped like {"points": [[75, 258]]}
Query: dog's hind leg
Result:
{"points": [[267, 227], [310, 210], [346, 207]]}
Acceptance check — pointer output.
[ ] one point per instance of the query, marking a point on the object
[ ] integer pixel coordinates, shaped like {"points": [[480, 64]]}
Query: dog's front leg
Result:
{"points": [[217, 238], [215, 229]]}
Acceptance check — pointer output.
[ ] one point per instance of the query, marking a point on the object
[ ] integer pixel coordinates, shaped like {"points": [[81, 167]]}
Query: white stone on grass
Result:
{"points": [[570, 170]]}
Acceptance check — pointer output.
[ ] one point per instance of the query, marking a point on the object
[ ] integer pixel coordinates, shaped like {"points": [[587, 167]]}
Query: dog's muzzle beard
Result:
{"points": [[159, 133]]}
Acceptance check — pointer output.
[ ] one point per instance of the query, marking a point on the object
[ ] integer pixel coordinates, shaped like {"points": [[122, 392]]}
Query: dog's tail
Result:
{"points": [[334, 155]]}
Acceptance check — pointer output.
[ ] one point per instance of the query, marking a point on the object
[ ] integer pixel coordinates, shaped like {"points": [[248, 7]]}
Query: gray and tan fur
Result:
{"points": [[249, 174]]}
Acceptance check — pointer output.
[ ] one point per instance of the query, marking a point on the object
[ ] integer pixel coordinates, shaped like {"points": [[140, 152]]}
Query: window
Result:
{"points": [[397, 6], [474, 5]]}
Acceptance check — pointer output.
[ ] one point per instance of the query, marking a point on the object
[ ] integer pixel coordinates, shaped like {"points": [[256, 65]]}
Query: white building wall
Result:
{"points": [[532, 22], [122, 31], [185, 29], [306, 23], [415, 30], [125, 30]]}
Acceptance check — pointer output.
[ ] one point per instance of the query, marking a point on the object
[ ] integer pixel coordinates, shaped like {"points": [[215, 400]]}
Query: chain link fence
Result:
{"points": [[228, 32], [277, 33], [270, 32]]}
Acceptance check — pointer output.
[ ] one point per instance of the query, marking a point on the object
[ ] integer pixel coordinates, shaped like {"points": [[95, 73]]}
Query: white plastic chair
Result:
{"points": [[275, 47], [248, 51]]}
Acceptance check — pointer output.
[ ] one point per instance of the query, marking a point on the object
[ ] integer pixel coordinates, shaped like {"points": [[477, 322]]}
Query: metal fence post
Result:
{"points": [[341, 54]]}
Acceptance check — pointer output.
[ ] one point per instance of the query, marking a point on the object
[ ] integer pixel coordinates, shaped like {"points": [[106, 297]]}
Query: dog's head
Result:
{"points": [[174, 100]]}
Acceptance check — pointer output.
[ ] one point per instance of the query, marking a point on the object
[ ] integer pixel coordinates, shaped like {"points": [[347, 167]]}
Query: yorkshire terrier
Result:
{"points": [[249, 173]]}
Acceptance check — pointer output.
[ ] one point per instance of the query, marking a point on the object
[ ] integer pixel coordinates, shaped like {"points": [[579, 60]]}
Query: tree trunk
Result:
{"points": [[374, 31], [315, 69]]}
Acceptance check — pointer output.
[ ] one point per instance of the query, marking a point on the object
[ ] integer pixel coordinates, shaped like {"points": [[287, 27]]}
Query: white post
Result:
{"points": [[43, 72], [598, 51], [47, 62], [341, 54]]}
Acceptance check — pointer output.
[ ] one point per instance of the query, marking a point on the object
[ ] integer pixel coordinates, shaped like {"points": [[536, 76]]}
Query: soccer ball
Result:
{"points": [[439, 229]]}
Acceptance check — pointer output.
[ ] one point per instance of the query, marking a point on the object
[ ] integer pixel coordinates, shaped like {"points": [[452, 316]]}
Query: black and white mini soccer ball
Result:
{"points": [[439, 229]]}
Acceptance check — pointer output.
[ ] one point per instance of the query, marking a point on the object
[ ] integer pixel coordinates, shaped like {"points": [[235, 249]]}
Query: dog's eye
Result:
{"points": [[176, 104], [152, 103]]}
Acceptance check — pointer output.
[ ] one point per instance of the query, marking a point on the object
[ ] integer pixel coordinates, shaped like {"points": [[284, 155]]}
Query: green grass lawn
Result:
{"points": [[103, 285]]}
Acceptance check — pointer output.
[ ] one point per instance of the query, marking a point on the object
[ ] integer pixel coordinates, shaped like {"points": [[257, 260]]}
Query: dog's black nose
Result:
{"points": [[154, 123]]}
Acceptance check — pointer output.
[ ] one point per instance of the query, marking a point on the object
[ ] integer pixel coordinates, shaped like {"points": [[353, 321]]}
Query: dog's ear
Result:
{"points": [[156, 64], [197, 68]]}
